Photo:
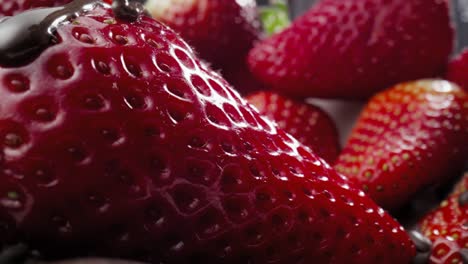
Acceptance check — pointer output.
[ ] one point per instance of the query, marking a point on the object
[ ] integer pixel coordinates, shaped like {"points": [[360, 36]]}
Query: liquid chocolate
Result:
{"points": [[463, 199], [464, 254], [26, 35], [422, 243], [423, 247], [129, 10]]}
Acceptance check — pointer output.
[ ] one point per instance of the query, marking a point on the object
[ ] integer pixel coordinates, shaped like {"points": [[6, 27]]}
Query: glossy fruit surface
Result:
{"points": [[408, 138], [447, 227], [306, 122]]}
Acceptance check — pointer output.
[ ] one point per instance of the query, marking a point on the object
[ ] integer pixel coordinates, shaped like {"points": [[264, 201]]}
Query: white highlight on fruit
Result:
{"points": [[164, 8], [244, 2], [441, 86]]}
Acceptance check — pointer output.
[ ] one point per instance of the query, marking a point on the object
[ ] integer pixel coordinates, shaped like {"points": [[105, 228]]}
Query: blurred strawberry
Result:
{"points": [[13, 7], [308, 123], [354, 48], [458, 70], [409, 137], [222, 32], [447, 227]]}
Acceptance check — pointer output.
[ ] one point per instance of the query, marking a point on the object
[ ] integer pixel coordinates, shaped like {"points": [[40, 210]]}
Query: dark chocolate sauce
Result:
{"points": [[129, 10], [421, 258], [422, 243], [464, 254], [19, 253], [26, 35], [463, 198], [423, 247]]}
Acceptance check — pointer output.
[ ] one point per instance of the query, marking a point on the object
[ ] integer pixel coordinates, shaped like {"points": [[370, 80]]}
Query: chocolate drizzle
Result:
{"points": [[129, 10], [464, 255], [423, 246], [26, 35], [19, 253]]}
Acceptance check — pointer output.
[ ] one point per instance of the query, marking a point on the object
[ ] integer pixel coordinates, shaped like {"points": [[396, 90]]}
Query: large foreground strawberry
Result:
{"points": [[117, 141], [409, 137], [447, 227], [354, 48]]}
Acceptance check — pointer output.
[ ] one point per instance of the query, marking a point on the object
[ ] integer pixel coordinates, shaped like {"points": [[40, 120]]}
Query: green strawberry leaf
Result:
{"points": [[275, 17]]}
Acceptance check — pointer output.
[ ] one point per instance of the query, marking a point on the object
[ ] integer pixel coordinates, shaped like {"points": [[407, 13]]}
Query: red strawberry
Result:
{"points": [[222, 32], [354, 48], [458, 70], [308, 123], [407, 138], [13, 7], [118, 142], [447, 227]]}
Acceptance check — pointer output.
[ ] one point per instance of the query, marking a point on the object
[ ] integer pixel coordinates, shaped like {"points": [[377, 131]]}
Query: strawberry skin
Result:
{"points": [[13, 7], [447, 227], [407, 138], [222, 32], [117, 142], [307, 123], [458, 70], [354, 48]]}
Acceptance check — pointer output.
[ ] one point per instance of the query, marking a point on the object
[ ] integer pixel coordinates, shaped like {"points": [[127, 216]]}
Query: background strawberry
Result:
{"points": [[308, 123], [222, 32], [447, 227], [409, 137], [117, 141], [13, 7], [352, 49], [458, 70]]}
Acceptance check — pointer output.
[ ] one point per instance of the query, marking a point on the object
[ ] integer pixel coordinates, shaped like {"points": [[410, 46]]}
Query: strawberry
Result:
{"points": [[354, 48], [447, 227], [458, 70], [117, 142], [222, 32], [308, 123], [13, 7], [407, 138]]}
